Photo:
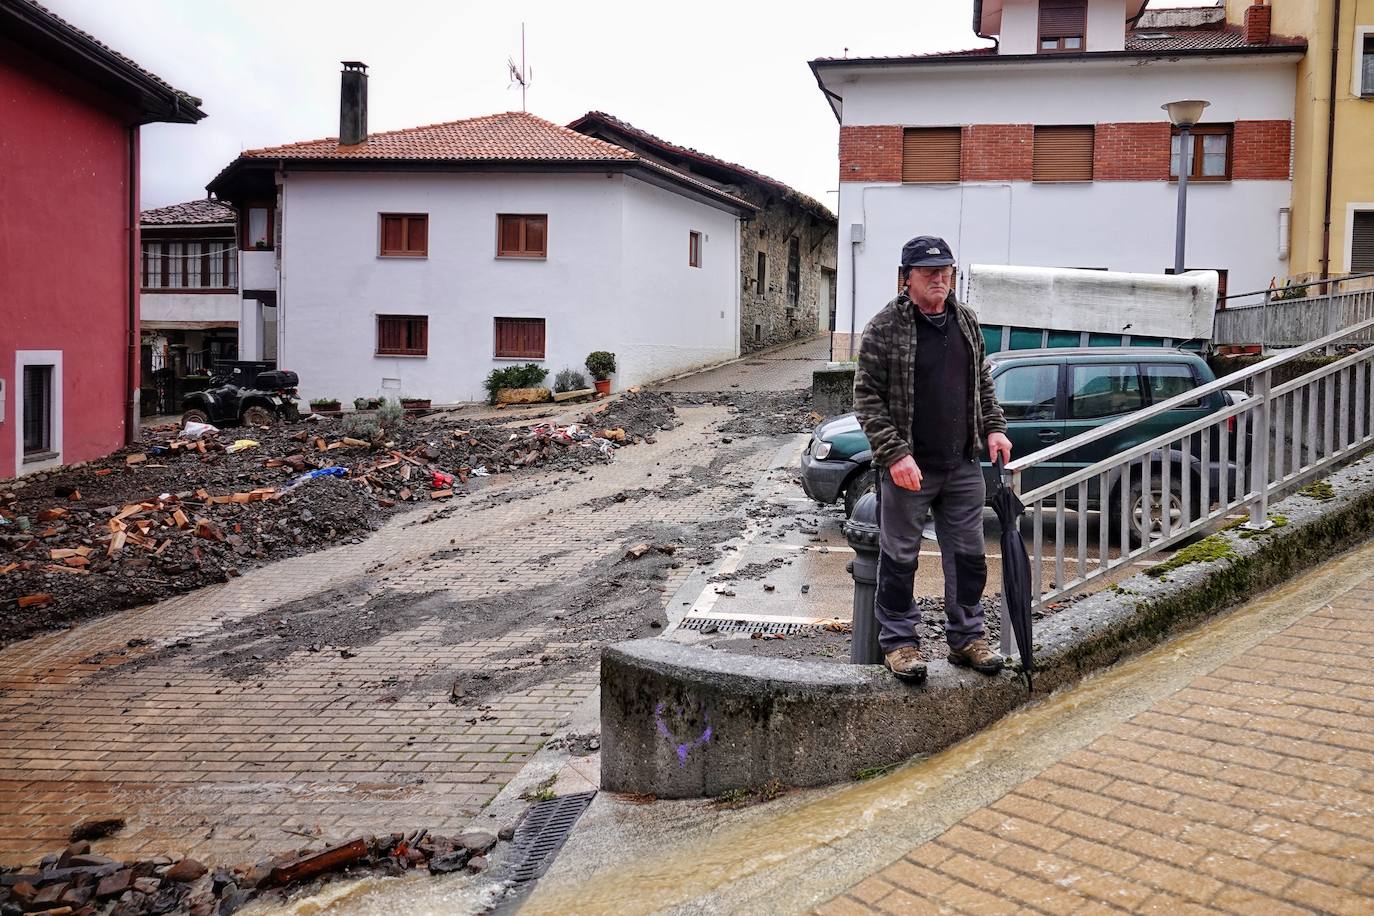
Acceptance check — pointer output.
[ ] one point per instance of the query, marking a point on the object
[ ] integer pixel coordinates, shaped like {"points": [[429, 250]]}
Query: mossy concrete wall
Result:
{"points": [[682, 722]]}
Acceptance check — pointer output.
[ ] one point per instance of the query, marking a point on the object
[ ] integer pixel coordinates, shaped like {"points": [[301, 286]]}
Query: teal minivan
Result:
{"points": [[1049, 396]]}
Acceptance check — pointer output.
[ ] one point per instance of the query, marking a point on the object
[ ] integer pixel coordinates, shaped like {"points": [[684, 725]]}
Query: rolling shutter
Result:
{"points": [[1063, 18], [1362, 242], [1063, 154], [930, 154]]}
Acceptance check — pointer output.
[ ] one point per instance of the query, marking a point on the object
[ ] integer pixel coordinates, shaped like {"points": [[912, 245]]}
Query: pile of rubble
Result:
{"points": [[77, 882], [183, 511]]}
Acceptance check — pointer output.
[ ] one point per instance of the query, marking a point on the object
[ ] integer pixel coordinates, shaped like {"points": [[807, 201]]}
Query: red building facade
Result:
{"points": [[69, 238]]}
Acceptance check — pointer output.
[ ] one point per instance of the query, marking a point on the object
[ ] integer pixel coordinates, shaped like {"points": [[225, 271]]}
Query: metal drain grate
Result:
{"points": [[766, 627], [542, 833]]}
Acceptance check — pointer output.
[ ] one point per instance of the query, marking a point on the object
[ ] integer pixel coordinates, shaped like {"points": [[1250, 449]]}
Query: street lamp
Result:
{"points": [[1184, 115]]}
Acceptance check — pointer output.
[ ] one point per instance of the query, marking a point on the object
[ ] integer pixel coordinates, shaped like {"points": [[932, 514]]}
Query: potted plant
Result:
{"points": [[601, 365], [325, 405], [366, 403], [412, 405]]}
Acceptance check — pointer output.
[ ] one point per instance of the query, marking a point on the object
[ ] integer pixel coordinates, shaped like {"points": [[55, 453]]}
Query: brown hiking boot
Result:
{"points": [[976, 655], [906, 664]]}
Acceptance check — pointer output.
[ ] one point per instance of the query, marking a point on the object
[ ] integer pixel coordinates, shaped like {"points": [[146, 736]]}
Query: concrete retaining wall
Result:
{"points": [[832, 389], [683, 722]]}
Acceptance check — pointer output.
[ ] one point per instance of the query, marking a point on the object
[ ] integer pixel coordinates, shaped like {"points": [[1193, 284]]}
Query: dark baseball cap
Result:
{"points": [[926, 251]]}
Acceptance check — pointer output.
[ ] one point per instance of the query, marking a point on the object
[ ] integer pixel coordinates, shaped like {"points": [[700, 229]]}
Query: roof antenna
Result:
{"points": [[521, 74]]}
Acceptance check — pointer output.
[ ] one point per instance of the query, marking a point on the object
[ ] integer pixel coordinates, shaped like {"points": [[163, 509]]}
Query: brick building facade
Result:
{"points": [[1120, 151]]}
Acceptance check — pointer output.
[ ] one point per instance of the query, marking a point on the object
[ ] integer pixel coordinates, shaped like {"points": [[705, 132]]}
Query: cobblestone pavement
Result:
{"points": [[1251, 790], [135, 716], [779, 369]]}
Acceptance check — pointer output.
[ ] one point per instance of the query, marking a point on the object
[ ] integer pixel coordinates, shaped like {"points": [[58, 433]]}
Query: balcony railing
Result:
{"points": [[1291, 322]]}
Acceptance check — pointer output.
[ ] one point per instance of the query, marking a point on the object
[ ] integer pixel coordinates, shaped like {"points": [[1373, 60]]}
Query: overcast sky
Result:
{"points": [[728, 78]]}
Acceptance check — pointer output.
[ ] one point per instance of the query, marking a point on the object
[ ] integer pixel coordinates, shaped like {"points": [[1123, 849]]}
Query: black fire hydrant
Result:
{"points": [[862, 533]]}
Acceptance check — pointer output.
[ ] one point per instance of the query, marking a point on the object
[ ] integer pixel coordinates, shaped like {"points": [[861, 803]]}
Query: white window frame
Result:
{"points": [[1357, 64], [1350, 210], [24, 358]]}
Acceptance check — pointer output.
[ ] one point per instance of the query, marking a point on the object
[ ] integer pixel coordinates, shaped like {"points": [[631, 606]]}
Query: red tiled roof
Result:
{"points": [[188, 213], [1199, 39], [688, 152], [512, 135]]}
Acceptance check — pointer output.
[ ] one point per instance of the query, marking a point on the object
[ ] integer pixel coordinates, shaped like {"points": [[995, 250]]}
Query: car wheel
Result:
{"points": [[194, 415], [257, 415], [1148, 524], [864, 482]]}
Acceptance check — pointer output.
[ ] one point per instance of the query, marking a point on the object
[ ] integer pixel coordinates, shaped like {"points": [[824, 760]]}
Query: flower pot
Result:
{"points": [[603, 386], [415, 403], [327, 407]]}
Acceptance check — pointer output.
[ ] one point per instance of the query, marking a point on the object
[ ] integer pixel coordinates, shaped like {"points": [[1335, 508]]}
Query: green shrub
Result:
{"points": [[601, 364], [390, 416], [530, 375], [569, 380]]}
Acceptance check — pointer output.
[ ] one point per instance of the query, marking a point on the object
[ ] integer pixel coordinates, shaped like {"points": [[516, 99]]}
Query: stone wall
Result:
{"points": [[767, 314]]}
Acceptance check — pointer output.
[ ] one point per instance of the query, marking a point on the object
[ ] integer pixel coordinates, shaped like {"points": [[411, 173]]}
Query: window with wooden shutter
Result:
{"points": [[402, 335], [1063, 154], [520, 338], [930, 153], [693, 248], [1063, 23], [1362, 242], [404, 235], [522, 235]]}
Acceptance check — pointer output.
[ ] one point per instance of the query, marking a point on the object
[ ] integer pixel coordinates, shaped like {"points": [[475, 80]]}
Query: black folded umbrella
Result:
{"points": [[1016, 580]]}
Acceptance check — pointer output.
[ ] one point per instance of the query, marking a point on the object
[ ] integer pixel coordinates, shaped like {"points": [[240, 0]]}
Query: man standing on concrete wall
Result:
{"points": [[923, 392]]}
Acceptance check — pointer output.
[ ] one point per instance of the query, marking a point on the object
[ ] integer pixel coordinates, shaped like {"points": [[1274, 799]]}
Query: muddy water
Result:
{"points": [[791, 855]]}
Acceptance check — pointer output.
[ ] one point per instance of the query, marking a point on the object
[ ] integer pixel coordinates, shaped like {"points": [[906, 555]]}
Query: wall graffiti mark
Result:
{"points": [[683, 748]]}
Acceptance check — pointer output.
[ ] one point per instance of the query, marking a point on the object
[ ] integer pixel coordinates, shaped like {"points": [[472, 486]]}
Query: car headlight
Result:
{"points": [[820, 449]]}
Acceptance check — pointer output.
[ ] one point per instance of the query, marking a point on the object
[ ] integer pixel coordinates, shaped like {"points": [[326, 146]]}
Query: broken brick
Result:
{"points": [[116, 884]]}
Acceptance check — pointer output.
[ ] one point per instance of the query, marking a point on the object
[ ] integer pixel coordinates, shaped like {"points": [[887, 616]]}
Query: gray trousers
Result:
{"points": [[956, 498]]}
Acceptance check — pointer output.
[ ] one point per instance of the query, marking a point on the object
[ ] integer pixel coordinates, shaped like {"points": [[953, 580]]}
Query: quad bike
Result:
{"points": [[271, 396]]}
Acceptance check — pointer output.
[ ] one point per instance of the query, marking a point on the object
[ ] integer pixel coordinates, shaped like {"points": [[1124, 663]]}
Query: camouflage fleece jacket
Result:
{"points": [[883, 381]]}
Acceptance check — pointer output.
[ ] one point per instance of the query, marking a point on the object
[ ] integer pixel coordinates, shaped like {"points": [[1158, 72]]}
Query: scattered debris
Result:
{"points": [[76, 881], [144, 529], [96, 829]]}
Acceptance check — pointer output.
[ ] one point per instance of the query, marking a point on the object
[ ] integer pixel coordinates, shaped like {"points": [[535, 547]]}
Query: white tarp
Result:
{"points": [[1098, 301]]}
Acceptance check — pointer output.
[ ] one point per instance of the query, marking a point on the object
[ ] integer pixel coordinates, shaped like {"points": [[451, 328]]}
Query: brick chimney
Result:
{"points": [[353, 103], [1257, 24]]}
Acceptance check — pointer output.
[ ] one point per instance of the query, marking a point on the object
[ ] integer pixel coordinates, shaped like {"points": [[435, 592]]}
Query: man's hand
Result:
{"points": [[907, 475], [998, 444]]}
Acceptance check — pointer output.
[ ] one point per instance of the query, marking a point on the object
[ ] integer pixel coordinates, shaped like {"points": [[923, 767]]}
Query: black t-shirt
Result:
{"points": [[940, 432]]}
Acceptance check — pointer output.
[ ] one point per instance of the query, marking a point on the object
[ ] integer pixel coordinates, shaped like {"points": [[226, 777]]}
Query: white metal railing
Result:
{"points": [[1155, 494], [1276, 322]]}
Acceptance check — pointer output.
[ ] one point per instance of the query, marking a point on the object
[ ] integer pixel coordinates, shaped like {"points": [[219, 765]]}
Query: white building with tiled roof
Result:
{"points": [[1050, 148], [417, 261]]}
